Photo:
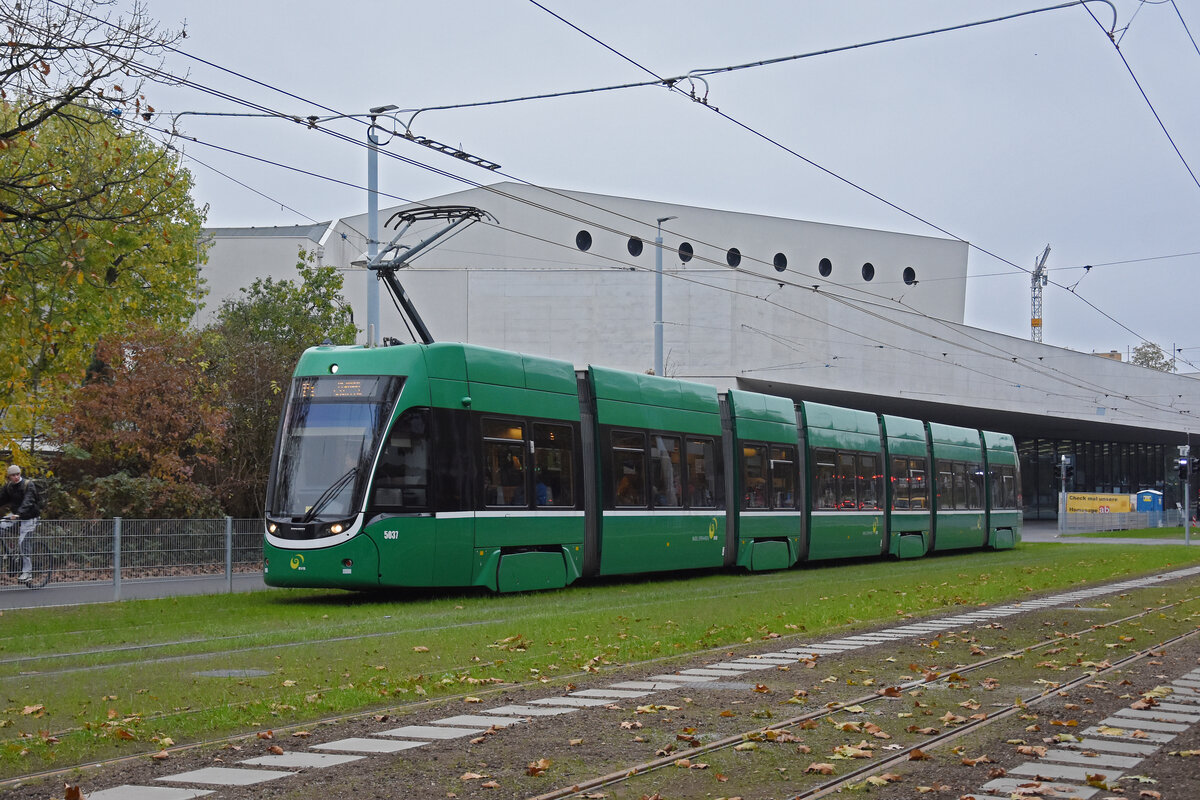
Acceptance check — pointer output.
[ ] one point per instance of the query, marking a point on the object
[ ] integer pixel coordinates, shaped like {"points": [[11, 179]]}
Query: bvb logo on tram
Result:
{"points": [[297, 562]]}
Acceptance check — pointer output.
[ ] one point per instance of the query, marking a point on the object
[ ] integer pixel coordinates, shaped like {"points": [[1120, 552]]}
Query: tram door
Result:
{"points": [[400, 504]]}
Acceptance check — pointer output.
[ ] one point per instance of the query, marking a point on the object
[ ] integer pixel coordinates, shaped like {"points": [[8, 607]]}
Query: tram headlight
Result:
{"points": [[336, 528], [272, 527]]}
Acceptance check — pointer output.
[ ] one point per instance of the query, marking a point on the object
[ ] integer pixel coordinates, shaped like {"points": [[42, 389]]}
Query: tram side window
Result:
{"points": [[847, 474], [869, 481], [783, 477], [553, 465], [629, 468], [754, 476], [504, 462], [402, 476], [974, 485], [666, 478], [918, 489], [945, 484], [960, 485], [1004, 491], [702, 469], [900, 482], [825, 483]]}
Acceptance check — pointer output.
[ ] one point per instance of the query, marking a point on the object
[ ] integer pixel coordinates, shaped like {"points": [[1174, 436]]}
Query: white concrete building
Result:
{"points": [[849, 316]]}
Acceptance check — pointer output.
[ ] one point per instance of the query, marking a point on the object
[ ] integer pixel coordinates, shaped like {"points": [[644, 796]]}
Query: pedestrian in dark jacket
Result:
{"points": [[21, 498]]}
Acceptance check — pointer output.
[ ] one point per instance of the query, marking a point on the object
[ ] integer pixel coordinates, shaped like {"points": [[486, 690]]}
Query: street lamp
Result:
{"points": [[658, 320]]}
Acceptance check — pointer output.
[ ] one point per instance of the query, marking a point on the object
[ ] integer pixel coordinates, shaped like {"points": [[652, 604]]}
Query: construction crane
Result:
{"points": [[1039, 280]]}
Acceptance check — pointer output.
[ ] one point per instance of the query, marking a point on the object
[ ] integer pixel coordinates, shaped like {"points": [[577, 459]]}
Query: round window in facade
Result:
{"points": [[686, 252], [635, 246], [583, 240], [733, 257], [780, 262], [910, 276], [868, 271], [825, 267]]}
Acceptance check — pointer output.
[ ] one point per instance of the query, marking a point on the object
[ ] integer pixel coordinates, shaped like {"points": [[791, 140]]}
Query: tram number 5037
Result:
{"points": [[391, 534]]}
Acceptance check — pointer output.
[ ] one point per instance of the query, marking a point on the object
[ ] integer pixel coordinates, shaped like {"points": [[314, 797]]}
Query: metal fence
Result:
{"points": [[1122, 521], [112, 550]]}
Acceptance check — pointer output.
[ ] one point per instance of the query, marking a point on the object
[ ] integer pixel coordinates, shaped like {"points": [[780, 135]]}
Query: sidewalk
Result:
{"points": [[70, 594], [1046, 530]]}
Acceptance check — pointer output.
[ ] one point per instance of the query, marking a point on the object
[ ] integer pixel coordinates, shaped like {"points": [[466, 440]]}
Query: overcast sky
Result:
{"points": [[1011, 135]]}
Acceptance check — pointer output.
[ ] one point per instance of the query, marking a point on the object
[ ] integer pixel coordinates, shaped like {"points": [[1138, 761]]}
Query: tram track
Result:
{"points": [[972, 727], [581, 788]]}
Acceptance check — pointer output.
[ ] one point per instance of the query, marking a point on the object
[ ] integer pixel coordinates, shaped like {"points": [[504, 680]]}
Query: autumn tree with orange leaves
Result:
{"points": [[141, 438]]}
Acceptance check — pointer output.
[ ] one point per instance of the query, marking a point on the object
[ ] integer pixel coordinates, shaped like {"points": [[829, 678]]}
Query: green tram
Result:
{"points": [[455, 465]]}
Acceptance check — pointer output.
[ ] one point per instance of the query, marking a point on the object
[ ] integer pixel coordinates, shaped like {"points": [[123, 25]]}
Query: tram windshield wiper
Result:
{"points": [[327, 496]]}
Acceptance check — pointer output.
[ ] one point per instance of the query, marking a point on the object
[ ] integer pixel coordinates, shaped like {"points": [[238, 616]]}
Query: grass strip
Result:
{"points": [[98, 681]]}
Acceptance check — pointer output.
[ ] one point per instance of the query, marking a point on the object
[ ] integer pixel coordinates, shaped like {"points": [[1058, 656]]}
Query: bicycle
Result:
{"points": [[10, 557]]}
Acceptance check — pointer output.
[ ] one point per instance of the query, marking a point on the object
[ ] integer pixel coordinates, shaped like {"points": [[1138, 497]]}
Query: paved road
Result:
{"points": [[69, 594], [1047, 531], [77, 593]]}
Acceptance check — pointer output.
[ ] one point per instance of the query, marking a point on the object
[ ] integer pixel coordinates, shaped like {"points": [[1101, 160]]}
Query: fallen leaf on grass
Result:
{"points": [[275, 750], [937, 787], [918, 755], [849, 751], [266, 734], [535, 768], [72, 791], [821, 768], [471, 776], [926, 731], [490, 785], [161, 755], [970, 762], [420, 649], [876, 731]]}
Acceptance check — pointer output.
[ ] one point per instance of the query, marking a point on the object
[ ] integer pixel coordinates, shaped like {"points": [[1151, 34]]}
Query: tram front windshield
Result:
{"points": [[331, 429]]}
